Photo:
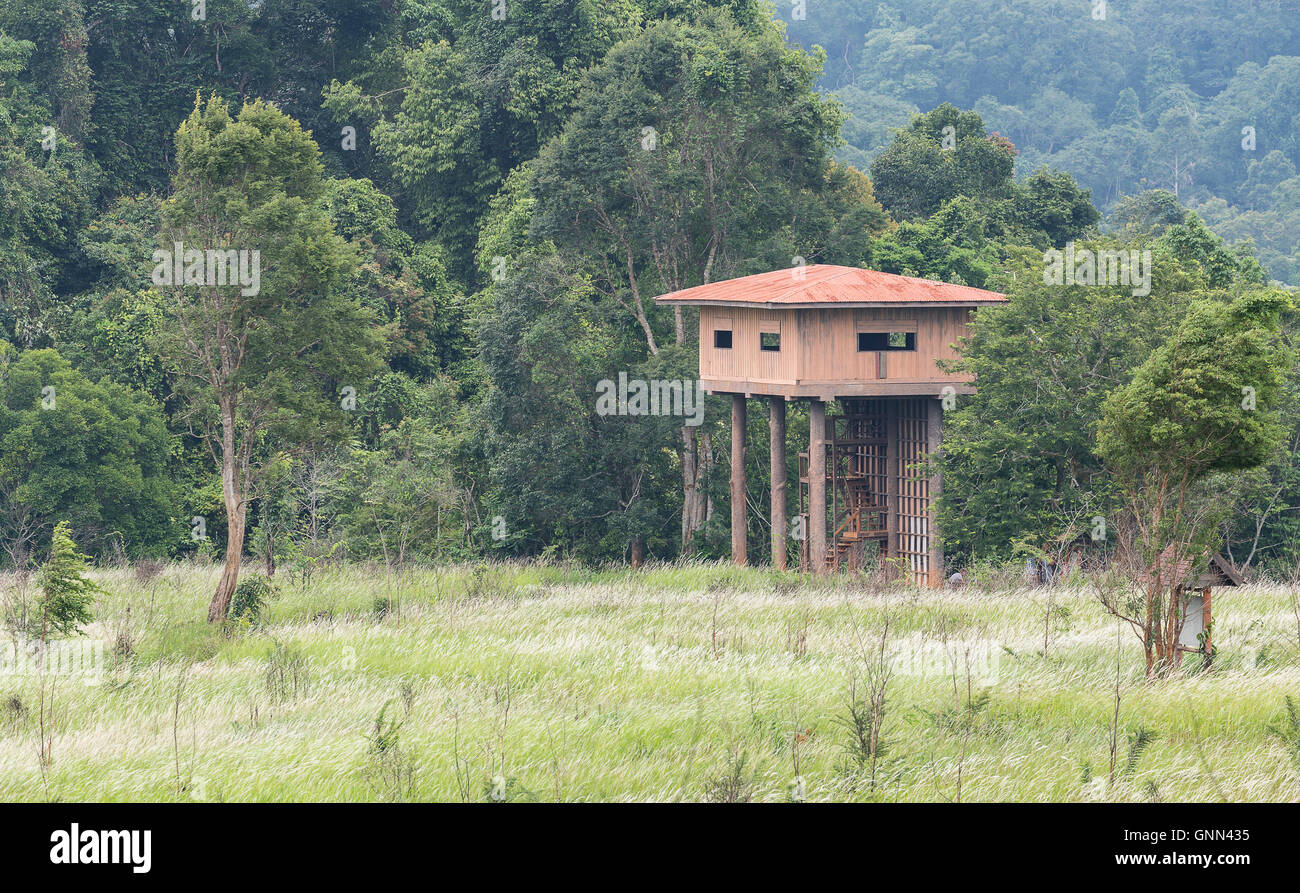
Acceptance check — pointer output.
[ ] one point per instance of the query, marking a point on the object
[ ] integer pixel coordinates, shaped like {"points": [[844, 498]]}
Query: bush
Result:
{"points": [[251, 596]]}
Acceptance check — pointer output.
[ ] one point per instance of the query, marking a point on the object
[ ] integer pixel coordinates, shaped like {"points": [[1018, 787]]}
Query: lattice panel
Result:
{"points": [[879, 485], [862, 469], [913, 535]]}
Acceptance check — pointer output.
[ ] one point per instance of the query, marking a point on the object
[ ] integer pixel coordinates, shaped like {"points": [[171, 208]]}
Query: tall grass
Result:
{"points": [[690, 681]]}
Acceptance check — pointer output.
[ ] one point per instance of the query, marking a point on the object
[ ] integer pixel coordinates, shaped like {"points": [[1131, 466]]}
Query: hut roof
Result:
{"points": [[826, 284], [1217, 571]]}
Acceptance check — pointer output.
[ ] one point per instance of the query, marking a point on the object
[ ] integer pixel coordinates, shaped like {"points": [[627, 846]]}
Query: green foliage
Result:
{"points": [[478, 97], [48, 187], [406, 285], [255, 182], [93, 453], [1138, 742], [488, 249], [943, 154], [1202, 402], [250, 599], [1019, 457], [385, 734], [397, 502], [1129, 103], [66, 592], [710, 134]]}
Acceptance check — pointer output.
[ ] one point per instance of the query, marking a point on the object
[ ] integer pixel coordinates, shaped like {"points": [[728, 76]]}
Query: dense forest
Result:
{"points": [[465, 208], [1199, 98]]}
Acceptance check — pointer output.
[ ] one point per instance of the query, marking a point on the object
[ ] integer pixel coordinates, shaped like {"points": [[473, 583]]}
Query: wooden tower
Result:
{"points": [[871, 341]]}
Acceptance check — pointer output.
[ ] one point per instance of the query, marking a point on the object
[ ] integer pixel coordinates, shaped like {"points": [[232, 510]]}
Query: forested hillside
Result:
{"points": [[1198, 97], [465, 208]]}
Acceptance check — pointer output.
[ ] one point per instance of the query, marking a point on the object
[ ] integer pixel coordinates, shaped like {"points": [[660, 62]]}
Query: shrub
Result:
{"points": [[251, 596], [66, 592]]}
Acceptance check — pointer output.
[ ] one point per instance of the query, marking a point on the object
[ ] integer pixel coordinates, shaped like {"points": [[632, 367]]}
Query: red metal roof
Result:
{"points": [[829, 284]]}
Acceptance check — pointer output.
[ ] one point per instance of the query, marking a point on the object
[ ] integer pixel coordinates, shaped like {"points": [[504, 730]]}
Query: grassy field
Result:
{"points": [[693, 682]]}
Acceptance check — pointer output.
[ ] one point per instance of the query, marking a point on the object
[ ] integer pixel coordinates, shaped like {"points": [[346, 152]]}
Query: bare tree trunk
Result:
{"points": [[232, 491], [220, 605]]}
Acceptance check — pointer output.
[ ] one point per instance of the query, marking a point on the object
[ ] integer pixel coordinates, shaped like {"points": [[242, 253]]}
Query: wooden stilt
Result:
{"points": [[817, 486], [776, 428], [933, 443], [738, 524]]}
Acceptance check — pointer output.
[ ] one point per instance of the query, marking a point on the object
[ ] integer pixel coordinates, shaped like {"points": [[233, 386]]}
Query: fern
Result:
{"points": [[1138, 742]]}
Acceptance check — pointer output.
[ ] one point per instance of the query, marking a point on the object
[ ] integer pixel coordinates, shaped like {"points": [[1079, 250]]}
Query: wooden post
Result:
{"points": [[933, 443], [738, 525], [1207, 623], [776, 428], [817, 486]]}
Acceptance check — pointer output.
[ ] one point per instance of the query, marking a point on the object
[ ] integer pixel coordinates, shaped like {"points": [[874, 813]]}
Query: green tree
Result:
{"points": [[1203, 403], [406, 285], [93, 453], [66, 592], [1020, 456], [564, 477], [398, 500], [943, 154], [269, 359], [695, 152], [463, 99], [46, 195]]}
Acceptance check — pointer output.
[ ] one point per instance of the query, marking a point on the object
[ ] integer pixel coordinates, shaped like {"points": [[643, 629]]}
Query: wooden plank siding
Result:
{"points": [[744, 361], [819, 354]]}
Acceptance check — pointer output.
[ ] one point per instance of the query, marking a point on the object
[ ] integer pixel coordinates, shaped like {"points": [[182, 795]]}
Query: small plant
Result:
{"points": [[1138, 742], [386, 733], [15, 711], [64, 606], [865, 715], [391, 772], [408, 693], [287, 674], [736, 785], [66, 592], [250, 599], [484, 583]]}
